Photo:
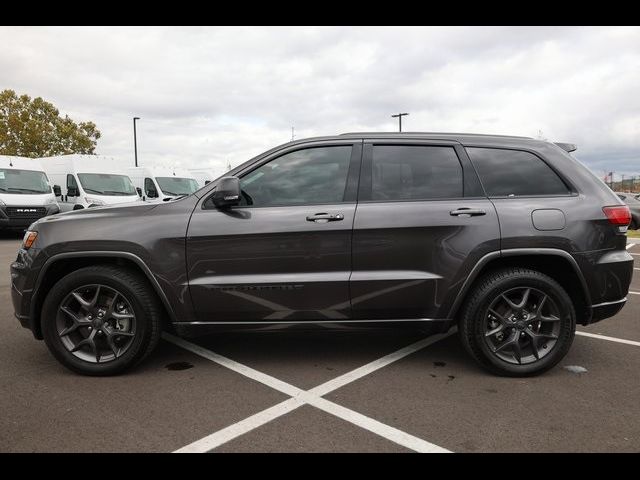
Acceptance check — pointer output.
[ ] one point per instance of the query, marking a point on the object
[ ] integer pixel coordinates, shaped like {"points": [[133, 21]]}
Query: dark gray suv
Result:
{"points": [[510, 238]]}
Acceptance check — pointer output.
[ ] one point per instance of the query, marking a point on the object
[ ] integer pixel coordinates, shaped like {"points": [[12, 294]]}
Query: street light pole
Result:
{"points": [[135, 140], [399, 117]]}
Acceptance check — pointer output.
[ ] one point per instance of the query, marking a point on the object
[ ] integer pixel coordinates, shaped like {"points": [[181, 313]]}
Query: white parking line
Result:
{"points": [[220, 437], [634, 293], [358, 373], [610, 339], [311, 397], [629, 245]]}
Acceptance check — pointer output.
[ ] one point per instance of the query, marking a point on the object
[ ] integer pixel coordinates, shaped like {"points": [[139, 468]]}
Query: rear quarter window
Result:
{"points": [[515, 173]]}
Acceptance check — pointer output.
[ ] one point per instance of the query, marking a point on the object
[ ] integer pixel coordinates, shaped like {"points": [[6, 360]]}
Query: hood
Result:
{"points": [[26, 200], [108, 211]]}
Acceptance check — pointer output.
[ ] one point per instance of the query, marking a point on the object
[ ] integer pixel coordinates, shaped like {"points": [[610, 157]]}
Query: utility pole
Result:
{"points": [[135, 140], [399, 117]]}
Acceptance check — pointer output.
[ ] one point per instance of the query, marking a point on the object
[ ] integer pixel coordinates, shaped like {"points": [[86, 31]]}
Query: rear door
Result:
{"points": [[284, 254], [421, 224]]}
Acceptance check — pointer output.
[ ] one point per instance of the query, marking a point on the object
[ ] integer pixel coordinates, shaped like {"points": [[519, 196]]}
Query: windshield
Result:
{"points": [[106, 184], [23, 182], [177, 185]]}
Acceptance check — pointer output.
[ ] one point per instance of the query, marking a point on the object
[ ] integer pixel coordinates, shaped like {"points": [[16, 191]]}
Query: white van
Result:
{"points": [[25, 193], [162, 184], [205, 175], [89, 180]]}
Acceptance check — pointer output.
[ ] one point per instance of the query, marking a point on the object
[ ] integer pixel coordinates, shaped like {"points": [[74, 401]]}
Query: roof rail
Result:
{"points": [[435, 133]]}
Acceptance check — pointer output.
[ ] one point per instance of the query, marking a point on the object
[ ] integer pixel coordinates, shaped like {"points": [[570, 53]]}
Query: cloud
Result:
{"points": [[211, 95]]}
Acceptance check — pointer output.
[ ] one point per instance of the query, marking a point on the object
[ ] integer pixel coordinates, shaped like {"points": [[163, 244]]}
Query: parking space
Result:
{"points": [[321, 389]]}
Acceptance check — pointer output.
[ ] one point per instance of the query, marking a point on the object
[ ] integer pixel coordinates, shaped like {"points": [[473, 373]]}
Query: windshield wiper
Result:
{"points": [[26, 190], [167, 192], [91, 190], [119, 193]]}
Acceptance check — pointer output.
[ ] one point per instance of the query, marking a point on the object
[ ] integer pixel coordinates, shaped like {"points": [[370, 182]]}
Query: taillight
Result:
{"points": [[619, 215]]}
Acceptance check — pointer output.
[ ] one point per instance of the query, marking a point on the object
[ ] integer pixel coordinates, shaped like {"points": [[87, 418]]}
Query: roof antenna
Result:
{"points": [[10, 162]]}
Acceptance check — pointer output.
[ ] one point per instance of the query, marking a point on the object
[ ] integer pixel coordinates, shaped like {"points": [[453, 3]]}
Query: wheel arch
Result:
{"points": [[558, 264], [62, 264]]}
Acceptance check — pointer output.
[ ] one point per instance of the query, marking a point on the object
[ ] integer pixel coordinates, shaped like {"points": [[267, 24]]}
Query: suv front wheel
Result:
{"points": [[517, 322], [101, 320]]}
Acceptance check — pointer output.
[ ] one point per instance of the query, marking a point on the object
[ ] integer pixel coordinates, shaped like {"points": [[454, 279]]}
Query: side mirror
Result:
{"points": [[227, 192], [207, 182], [72, 191], [139, 190], [57, 191]]}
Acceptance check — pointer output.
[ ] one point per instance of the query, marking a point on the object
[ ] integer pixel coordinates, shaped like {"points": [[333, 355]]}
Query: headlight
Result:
{"points": [[29, 239], [2, 203], [51, 201], [94, 201]]}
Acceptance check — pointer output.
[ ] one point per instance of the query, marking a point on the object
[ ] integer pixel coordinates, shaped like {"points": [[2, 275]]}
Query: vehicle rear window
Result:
{"points": [[513, 173], [415, 172]]}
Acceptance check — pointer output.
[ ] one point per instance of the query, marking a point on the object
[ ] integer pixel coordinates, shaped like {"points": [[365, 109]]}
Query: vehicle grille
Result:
{"points": [[26, 212]]}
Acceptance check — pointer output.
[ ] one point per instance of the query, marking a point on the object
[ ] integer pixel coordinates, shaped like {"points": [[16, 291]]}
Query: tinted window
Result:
{"points": [[402, 172], [71, 181], [515, 173], [313, 175], [149, 186]]}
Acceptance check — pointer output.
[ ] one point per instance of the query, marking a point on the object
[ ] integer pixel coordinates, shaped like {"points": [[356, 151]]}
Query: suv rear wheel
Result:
{"points": [[101, 320], [517, 322]]}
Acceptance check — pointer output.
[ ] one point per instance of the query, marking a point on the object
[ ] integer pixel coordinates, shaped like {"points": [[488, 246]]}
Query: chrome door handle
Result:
{"points": [[325, 217], [471, 212]]}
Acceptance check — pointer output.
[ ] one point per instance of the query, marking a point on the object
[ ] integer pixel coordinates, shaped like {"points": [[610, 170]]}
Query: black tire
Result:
{"points": [[475, 315], [133, 288]]}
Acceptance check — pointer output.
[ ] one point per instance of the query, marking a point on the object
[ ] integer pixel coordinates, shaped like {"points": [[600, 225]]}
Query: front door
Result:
{"points": [[422, 223], [284, 254]]}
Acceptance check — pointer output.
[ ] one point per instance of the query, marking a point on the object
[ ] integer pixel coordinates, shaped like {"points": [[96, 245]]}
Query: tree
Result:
{"points": [[34, 128]]}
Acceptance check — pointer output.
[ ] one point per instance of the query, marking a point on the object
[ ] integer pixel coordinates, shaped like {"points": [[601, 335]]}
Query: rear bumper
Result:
{"points": [[606, 310], [607, 275]]}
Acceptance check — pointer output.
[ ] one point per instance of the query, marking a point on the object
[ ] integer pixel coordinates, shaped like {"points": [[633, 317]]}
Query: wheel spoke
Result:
{"points": [[498, 329], [506, 343], [525, 298], [551, 318], [118, 333], [517, 351], [541, 305], [512, 305], [498, 316], [77, 322], [535, 348]]}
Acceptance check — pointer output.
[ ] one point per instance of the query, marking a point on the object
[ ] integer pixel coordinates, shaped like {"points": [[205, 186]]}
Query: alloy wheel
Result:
{"points": [[522, 325], [96, 323]]}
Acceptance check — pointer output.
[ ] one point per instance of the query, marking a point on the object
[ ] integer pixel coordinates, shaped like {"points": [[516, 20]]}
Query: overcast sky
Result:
{"points": [[211, 95]]}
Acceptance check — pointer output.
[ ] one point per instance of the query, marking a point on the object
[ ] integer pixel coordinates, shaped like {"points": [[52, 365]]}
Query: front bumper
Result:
{"points": [[23, 278], [16, 220]]}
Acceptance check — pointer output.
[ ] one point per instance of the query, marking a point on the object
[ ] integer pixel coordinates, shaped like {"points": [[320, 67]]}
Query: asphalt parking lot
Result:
{"points": [[322, 389]]}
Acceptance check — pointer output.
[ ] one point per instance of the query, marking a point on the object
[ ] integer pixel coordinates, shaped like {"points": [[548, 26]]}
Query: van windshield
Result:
{"points": [[23, 182], [177, 185], [106, 184]]}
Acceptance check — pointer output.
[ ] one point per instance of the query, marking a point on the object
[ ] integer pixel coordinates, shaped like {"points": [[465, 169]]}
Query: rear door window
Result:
{"points": [[415, 172]]}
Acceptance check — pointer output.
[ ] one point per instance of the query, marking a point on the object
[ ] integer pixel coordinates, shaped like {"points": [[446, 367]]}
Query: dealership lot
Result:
{"points": [[320, 389]]}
